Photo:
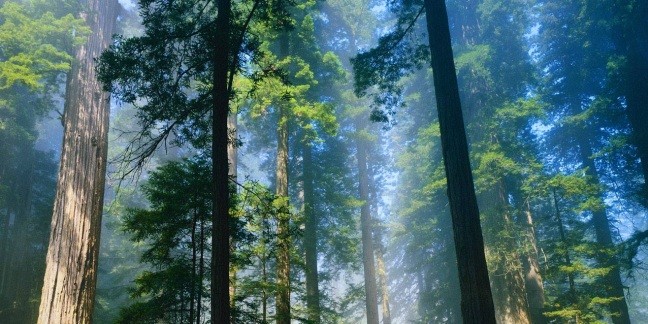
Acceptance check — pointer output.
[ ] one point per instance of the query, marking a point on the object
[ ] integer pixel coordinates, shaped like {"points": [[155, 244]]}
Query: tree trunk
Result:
{"points": [[310, 238], [201, 269], [283, 226], [382, 279], [70, 277], [379, 246], [371, 291], [194, 285], [566, 247], [220, 302], [264, 294], [637, 84], [507, 279], [476, 298], [532, 276], [604, 237]]}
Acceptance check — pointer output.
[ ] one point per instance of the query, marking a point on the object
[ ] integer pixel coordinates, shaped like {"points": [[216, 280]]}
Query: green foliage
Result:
{"points": [[35, 52], [295, 86], [397, 55], [36, 47], [176, 231], [574, 281]]}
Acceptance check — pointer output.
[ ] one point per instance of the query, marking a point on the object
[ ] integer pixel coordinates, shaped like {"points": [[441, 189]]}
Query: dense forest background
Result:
{"points": [[337, 202]]}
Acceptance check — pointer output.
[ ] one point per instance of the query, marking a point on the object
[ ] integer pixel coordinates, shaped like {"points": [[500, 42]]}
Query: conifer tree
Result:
{"points": [[70, 276]]}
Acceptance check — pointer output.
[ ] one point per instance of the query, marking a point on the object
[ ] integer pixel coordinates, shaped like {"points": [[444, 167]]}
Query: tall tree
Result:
{"points": [[633, 40], [175, 232], [310, 237], [602, 228], [220, 96], [366, 226], [70, 276], [578, 86], [281, 187], [476, 298]]}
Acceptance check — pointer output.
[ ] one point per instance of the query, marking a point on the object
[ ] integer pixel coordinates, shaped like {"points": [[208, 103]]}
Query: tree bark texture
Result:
{"points": [[310, 238], [381, 267], [283, 226], [507, 279], [220, 302], [70, 277], [371, 290], [476, 298], [532, 275], [382, 280], [602, 226]]}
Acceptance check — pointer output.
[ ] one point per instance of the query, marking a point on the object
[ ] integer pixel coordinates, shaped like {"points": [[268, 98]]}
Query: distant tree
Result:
{"points": [[571, 276], [586, 109], [176, 230], [289, 93], [188, 88], [366, 227], [632, 39]]}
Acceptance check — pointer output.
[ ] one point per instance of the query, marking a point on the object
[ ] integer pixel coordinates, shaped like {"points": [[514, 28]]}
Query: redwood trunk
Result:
{"points": [[382, 280], [532, 275], [283, 226], [371, 290], [381, 267], [70, 277], [476, 298], [310, 239], [220, 302], [507, 279]]}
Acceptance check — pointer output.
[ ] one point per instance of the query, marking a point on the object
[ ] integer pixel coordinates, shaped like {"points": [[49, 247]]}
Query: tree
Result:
{"points": [[70, 276], [176, 228], [366, 226], [630, 39], [310, 237], [476, 302], [584, 103], [220, 96]]}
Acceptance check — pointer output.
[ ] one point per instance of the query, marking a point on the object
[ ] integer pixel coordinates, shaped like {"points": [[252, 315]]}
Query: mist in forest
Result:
{"points": [[354, 161]]}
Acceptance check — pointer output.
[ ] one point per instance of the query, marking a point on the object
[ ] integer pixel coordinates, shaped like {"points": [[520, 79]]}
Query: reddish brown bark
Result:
{"points": [[371, 290], [70, 277]]}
